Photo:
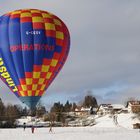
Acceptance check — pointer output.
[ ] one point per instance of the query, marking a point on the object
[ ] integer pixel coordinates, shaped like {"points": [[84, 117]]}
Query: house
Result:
{"points": [[82, 111], [117, 108], [133, 106], [103, 109], [109, 109]]}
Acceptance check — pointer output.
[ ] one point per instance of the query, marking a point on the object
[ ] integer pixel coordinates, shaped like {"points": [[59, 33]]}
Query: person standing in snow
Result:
{"points": [[115, 119], [24, 126], [50, 130], [32, 128]]}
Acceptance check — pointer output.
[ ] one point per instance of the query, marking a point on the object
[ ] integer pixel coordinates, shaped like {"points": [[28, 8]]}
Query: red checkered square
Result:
{"points": [[35, 81], [25, 19], [29, 87], [46, 61], [15, 16], [36, 14], [59, 42], [38, 25], [28, 74], [39, 87], [22, 81], [25, 93], [56, 56], [59, 28], [43, 74], [33, 93], [40, 93], [37, 68], [19, 87], [48, 20], [50, 33], [51, 69]]}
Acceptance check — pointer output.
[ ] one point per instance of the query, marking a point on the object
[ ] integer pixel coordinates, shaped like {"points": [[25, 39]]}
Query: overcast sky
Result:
{"points": [[105, 49]]}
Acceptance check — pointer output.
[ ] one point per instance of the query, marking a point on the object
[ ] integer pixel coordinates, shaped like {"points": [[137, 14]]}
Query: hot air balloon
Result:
{"points": [[34, 45]]}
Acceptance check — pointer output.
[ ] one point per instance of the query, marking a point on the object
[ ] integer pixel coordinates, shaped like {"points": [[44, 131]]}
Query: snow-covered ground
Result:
{"points": [[105, 129], [124, 121], [69, 133]]}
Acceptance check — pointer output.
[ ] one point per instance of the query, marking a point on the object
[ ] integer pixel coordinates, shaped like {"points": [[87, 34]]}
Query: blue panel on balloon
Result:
{"points": [[27, 39], [50, 41], [5, 50], [14, 31], [58, 49], [39, 46]]}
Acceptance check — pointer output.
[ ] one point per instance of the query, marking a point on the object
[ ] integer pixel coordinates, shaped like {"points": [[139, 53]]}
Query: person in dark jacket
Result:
{"points": [[24, 126]]}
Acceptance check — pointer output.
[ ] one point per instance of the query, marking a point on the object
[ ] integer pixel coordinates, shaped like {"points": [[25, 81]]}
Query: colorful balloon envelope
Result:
{"points": [[34, 45]]}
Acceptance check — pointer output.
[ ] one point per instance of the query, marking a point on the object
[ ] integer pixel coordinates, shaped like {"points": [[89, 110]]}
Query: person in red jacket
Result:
{"points": [[32, 128]]}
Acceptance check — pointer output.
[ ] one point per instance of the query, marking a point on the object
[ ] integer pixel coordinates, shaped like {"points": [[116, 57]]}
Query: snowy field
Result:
{"points": [[105, 129], [69, 133]]}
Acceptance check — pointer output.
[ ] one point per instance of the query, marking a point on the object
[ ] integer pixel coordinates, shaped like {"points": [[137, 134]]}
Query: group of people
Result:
{"points": [[33, 127]]}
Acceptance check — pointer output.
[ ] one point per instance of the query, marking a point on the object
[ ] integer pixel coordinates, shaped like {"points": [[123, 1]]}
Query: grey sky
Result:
{"points": [[105, 49]]}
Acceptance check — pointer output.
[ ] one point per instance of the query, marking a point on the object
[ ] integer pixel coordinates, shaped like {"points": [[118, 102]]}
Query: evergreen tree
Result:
{"points": [[74, 106], [40, 111], [2, 109], [68, 107], [90, 101], [57, 107]]}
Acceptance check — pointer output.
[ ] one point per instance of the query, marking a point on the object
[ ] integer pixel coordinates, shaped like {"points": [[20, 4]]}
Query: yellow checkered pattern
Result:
{"points": [[50, 25], [26, 14], [46, 15], [37, 83], [37, 19], [35, 11], [16, 12]]}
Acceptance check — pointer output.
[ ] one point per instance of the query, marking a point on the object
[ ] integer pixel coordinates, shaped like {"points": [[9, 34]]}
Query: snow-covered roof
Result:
{"points": [[112, 106], [105, 105], [117, 106], [82, 109], [85, 109]]}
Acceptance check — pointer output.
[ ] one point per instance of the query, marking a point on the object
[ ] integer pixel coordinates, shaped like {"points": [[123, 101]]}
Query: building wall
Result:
{"points": [[135, 109]]}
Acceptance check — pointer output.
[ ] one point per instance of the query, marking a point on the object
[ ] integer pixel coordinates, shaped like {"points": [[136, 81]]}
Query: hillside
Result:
{"points": [[125, 120]]}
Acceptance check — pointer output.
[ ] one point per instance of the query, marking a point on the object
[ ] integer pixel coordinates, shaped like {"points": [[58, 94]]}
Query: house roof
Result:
{"points": [[117, 106], [134, 103], [105, 105], [82, 109], [112, 106]]}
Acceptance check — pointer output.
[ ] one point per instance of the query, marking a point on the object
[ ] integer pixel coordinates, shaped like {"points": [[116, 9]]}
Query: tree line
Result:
{"points": [[59, 110], [89, 101], [9, 113]]}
